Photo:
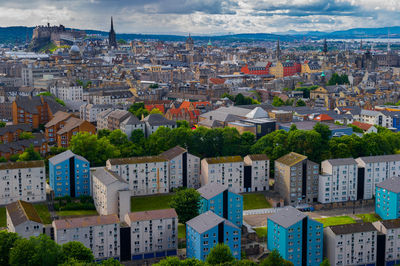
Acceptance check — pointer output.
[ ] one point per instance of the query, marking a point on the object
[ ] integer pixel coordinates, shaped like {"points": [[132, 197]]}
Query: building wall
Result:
{"points": [[26, 229], [386, 204], [227, 174], [31, 180], [259, 174], [103, 240]]}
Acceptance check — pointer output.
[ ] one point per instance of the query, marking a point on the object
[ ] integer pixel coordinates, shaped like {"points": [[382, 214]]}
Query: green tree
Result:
{"points": [[76, 250], [138, 110], [57, 150], [175, 261], [220, 254], [7, 242], [186, 203], [300, 103], [182, 123], [325, 262], [324, 131], [275, 259], [2, 124], [103, 133], [118, 138], [26, 135], [14, 157], [155, 111], [137, 137], [277, 101], [39, 250], [29, 155], [3, 160], [121, 41], [154, 86]]}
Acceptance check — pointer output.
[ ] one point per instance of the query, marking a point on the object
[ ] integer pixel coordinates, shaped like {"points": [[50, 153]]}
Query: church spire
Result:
{"points": [[278, 50], [112, 24], [112, 38], [325, 49]]}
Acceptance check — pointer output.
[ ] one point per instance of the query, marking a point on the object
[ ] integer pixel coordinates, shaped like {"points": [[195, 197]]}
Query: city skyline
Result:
{"points": [[203, 16]]}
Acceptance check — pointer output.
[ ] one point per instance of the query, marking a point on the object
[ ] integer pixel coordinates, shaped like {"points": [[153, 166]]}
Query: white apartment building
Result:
{"points": [[145, 175], [391, 230], [90, 111], [23, 219], [153, 232], [102, 119], [99, 233], [338, 181], [22, 181], [228, 171], [184, 168], [258, 177], [105, 187], [67, 93], [375, 169], [154, 121], [350, 244], [374, 118], [130, 124]]}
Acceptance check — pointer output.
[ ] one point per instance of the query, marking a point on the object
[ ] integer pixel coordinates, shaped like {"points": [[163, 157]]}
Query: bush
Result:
{"points": [[67, 203]]}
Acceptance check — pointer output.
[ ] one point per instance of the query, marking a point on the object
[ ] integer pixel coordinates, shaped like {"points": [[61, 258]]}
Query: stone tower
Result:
{"points": [[112, 38]]}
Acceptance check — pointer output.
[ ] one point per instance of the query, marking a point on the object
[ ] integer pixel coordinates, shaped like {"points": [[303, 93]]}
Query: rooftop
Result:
{"points": [[17, 165], [352, 228], [291, 159], [65, 156], [85, 221], [225, 159], [22, 211], [391, 184], [205, 222], [137, 160], [152, 215], [211, 190], [173, 152], [287, 217]]}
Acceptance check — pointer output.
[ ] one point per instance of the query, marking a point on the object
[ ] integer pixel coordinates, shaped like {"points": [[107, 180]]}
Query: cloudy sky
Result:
{"points": [[203, 16]]}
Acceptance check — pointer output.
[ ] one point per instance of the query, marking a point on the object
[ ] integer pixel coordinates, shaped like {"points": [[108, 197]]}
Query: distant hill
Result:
{"points": [[11, 35]]}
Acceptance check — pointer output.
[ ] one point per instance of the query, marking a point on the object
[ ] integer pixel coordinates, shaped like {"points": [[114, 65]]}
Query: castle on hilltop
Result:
{"points": [[58, 35]]}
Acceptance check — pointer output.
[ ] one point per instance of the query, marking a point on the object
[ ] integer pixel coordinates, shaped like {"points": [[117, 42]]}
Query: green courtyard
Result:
{"points": [[338, 220], [255, 201], [148, 203]]}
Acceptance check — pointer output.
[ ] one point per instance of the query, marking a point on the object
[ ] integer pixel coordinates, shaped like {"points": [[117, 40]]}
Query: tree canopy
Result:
{"points": [[338, 79], [186, 202], [219, 254]]}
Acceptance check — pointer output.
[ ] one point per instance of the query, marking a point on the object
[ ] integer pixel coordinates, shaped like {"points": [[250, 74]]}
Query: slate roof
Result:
{"points": [[66, 155], [14, 128], [342, 161], [158, 120], [291, 159], [17, 165], [58, 117], [211, 190], [106, 176], [391, 224], [173, 152], [137, 160], [85, 221], [391, 184], [205, 222], [380, 158], [258, 157], [132, 120], [22, 211], [287, 217], [70, 124], [152, 215], [352, 228], [29, 104]]}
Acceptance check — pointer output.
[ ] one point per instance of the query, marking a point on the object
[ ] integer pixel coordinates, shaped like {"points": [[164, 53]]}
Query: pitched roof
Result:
{"points": [[173, 152], [14, 128], [352, 228], [58, 117], [391, 224], [225, 159], [132, 120], [158, 120], [380, 158], [85, 221], [342, 161], [258, 157], [17, 165], [391, 184], [106, 176], [363, 126], [137, 160], [70, 124], [65, 156], [217, 81], [323, 117], [152, 215], [287, 217], [22, 211], [211, 190], [257, 112], [205, 222], [291, 158]]}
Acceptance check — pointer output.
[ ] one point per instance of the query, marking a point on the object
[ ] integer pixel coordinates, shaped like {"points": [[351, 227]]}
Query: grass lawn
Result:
{"points": [[3, 217], [77, 213], [181, 231], [255, 201], [338, 220], [369, 217], [261, 231], [43, 212], [148, 203]]}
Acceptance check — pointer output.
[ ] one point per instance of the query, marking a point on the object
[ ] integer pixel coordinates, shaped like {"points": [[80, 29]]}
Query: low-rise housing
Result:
{"points": [[23, 219]]}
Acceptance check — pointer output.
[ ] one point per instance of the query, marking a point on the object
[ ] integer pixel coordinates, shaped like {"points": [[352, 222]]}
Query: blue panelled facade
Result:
{"points": [[221, 201], [387, 194], [69, 175], [206, 231], [296, 237]]}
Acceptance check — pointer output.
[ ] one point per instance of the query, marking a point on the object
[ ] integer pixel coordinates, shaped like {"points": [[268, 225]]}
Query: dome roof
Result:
{"points": [[74, 49]]}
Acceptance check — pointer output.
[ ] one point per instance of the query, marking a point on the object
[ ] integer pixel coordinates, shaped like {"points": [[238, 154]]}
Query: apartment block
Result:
{"points": [[388, 245], [99, 233], [102, 119], [145, 175], [184, 168], [338, 181], [69, 175], [296, 179], [375, 169], [256, 173], [296, 237], [131, 124], [228, 171], [351, 244], [207, 230], [90, 111], [154, 121], [387, 197], [67, 92], [22, 181], [105, 187], [153, 234], [218, 199], [23, 219]]}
